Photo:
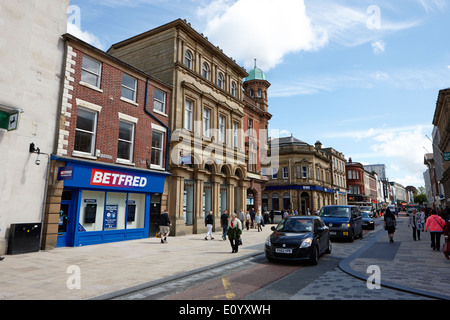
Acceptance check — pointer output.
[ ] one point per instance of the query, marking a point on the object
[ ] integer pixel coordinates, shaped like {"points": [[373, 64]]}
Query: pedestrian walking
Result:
{"points": [[247, 220], [420, 220], [435, 224], [252, 217], [209, 220], [414, 224], [164, 226], [389, 224], [241, 216], [259, 221], [234, 233], [224, 219]]}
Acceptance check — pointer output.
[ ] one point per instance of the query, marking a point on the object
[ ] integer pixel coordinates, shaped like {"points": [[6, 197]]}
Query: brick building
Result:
{"points": [[108, 170], [355, 182], [256, 123]]}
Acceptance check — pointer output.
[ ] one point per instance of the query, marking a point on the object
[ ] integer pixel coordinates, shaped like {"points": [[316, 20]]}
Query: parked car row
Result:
{"points": [[308, 237]]}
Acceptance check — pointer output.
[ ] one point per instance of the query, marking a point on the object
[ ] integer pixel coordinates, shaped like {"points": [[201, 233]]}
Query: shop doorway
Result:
{"points": [[65, 216], [155, 212]]}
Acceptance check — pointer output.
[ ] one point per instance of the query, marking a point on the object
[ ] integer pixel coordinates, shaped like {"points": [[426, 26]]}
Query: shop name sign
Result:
{"points": [[107, 178]]}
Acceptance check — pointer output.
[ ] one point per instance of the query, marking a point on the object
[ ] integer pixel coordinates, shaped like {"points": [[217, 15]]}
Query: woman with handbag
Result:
{"points": [[234, 233], [435, 224]]}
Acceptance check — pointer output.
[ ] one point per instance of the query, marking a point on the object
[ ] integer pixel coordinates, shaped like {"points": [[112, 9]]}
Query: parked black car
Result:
{"points": [[298, 238]]}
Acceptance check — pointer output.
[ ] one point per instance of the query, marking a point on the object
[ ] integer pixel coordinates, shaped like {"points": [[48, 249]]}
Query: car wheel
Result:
{"points": [[351, 237], [314, 259], [328, 251]]}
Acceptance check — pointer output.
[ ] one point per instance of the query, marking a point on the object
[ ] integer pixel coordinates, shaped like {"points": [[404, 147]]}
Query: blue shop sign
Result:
{"points": [[114, 178]]}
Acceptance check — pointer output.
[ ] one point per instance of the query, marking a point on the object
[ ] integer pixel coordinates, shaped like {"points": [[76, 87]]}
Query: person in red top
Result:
{"points": [[435, 224]]}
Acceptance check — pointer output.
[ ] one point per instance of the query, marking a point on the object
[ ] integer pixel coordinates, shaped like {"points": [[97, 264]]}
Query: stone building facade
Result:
{"points": [[207, 153], [441, 120], [303, 180]]}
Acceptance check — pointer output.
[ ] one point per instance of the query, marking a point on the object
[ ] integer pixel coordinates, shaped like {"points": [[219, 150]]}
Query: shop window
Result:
{"points": [[91, 211], [91, 71], [188, 202], [85, 131], [115, 211]]}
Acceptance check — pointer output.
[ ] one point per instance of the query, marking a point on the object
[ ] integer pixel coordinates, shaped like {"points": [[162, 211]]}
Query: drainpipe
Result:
{"points": [[161, 123]]}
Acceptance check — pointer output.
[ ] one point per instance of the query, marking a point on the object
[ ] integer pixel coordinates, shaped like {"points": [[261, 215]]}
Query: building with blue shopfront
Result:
{"points": [[106, 175], [104, 203]]}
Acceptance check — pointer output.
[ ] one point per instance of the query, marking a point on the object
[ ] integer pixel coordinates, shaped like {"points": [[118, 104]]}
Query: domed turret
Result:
{"points": [[256, 74]]}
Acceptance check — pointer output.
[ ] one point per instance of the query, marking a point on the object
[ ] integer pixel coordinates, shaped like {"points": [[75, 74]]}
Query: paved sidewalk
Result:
{"points": [[406, 264], [112, 267]]}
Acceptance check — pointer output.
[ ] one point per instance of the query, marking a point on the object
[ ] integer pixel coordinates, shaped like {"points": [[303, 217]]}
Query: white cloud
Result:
{"points": [[263, 29], [86, 36]]}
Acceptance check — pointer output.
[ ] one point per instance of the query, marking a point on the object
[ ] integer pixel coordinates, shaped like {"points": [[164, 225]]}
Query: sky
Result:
{"points": [[360, 76]]}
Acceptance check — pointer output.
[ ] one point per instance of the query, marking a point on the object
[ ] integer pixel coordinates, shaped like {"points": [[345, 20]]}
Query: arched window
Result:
{"points": [[220, 80], [205, 71], [188, 59], [233, 89]]}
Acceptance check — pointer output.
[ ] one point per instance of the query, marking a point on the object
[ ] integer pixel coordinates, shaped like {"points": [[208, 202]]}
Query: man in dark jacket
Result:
{"points": [[164, 226]]}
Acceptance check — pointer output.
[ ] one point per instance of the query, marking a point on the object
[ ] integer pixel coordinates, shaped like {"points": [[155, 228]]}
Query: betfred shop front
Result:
{"points": [[105, 203]]}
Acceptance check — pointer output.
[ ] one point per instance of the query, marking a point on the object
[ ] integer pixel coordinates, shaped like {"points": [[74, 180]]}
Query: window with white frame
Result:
{"points": [[157, 148], [188, 112], [220, 80], [188, 59], [160, 101], [304, 172], [233, 89], [285, 172], [85, 131], [205, 71], [129, 86], [250, 128], [91, 70], [206, 122], [235, 134], [222, 125], [126, 141]]}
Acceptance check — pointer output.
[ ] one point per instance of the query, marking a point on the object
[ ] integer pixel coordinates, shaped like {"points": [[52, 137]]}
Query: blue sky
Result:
{"points": [[360, 76]]}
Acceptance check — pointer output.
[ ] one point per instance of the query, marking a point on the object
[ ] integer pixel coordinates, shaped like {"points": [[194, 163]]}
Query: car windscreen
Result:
{"points": [[295, 225], [337, 212], [365, 214], [366, 208]]}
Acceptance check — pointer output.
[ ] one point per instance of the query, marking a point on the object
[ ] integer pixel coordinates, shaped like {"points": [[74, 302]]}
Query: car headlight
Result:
{"points": [[268, 243], [345, 225], [306, 243]]}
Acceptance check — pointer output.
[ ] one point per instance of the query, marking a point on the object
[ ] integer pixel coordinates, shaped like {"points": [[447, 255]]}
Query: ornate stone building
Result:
{"points": [[207, 152], [303, 180], [441, 120]]}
